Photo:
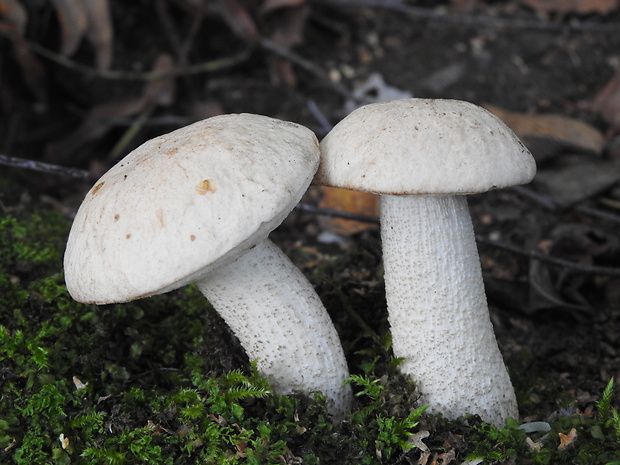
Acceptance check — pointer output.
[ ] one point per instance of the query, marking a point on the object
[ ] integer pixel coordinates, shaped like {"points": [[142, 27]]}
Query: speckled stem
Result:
{"points": [[438, 310], [280, 320]]}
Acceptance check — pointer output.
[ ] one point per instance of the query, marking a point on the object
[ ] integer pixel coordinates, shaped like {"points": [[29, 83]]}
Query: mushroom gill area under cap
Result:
{"points": [[423, 146], [181, 202]]}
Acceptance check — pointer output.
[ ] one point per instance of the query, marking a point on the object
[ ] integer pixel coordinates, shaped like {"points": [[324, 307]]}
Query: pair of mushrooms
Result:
{"points": [[197, 205]]}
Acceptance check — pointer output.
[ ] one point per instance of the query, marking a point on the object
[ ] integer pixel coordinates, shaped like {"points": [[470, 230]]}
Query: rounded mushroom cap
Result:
{"points": [[183, 203], [423, 146]]}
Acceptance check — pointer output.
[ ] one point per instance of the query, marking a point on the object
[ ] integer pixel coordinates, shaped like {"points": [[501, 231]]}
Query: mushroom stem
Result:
{"points": [[280, 321], [438, 310]]}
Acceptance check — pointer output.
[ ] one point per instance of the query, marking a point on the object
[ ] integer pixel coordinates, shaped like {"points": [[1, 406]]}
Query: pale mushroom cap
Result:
{"points": [[423, 146], [184, 203]]}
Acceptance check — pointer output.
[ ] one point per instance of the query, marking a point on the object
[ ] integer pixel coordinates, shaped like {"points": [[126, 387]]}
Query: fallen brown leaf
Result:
{"points": [[548, 135], [238, 19], [287, 32], [159, 92], [607, 102], [577, 179], [15, 14], [269, 5], [362, 203], [13, 21], [73, 24], [99, 32], [573, 6], [567, 440], [88, 19]]}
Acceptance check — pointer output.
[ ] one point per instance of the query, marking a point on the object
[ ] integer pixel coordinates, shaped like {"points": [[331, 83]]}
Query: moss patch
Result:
{"points": [[159, 381]]}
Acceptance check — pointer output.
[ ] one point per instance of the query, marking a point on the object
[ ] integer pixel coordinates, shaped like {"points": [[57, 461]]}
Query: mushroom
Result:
{"points": [[422, 156], [196, 206]]}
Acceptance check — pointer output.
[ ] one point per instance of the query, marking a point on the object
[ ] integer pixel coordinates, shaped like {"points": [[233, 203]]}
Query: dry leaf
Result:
{"points": [[607, 102], [288, 28], [12, 25], [15, 14], [548, 135], [416, 440], [90, 19], [64, 441], [447, 457], [573, 6], [101, 117], [239, 20], [99, 32], [269, 5], [73, 24], [362, 203], [577, 179], [535, 446], [463, 6], [79, 384], [161, 91], [567, 440]]}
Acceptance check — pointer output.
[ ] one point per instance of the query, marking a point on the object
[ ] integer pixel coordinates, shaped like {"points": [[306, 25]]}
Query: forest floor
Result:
{"points": [[550, 251]]}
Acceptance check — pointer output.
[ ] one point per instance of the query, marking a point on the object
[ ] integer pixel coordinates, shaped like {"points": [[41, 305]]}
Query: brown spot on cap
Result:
{"points": [[192, 238], [128, 236], [116, 217], [205, 186], [161, 218], [97, 187]]}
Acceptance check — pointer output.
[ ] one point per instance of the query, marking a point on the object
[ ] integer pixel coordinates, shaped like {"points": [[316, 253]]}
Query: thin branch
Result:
{"points": [[199, 68], [546, 202], [306, 65], [476, 20], [598, 213], [533, 254], [46, 167], [549, 204], [555, 261], [206, 67]]}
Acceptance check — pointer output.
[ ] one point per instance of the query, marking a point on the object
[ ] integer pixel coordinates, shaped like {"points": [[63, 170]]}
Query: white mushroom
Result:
{"points": [[421, 156], [197, 205]]}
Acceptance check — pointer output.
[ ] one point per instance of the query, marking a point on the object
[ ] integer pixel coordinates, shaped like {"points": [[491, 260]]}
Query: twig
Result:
{"points": [[598, 213], [533, 254], [205, 67], [326, 126], [46, 167], [306, 65], [542, 200], [549, 204], [472, 20]]}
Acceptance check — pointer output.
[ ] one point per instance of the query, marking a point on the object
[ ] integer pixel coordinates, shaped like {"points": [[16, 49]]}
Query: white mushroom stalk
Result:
{"points": [[437, 307], [295, 342], [197, 206], [421, 156]]}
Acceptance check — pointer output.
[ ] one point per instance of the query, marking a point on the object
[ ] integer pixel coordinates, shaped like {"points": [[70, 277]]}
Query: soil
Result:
{"points": [[557, 326]]}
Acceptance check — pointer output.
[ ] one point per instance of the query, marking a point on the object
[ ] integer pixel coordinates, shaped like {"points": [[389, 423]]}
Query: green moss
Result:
{"points": [[160, 381]]}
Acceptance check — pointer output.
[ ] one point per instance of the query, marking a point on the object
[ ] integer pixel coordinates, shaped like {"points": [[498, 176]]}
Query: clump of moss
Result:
{"points": [[146, 382], [159, 381]]}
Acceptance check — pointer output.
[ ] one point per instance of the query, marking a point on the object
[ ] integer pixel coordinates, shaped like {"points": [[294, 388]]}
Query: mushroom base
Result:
{"points": [[438, 310], [281, 322]]}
